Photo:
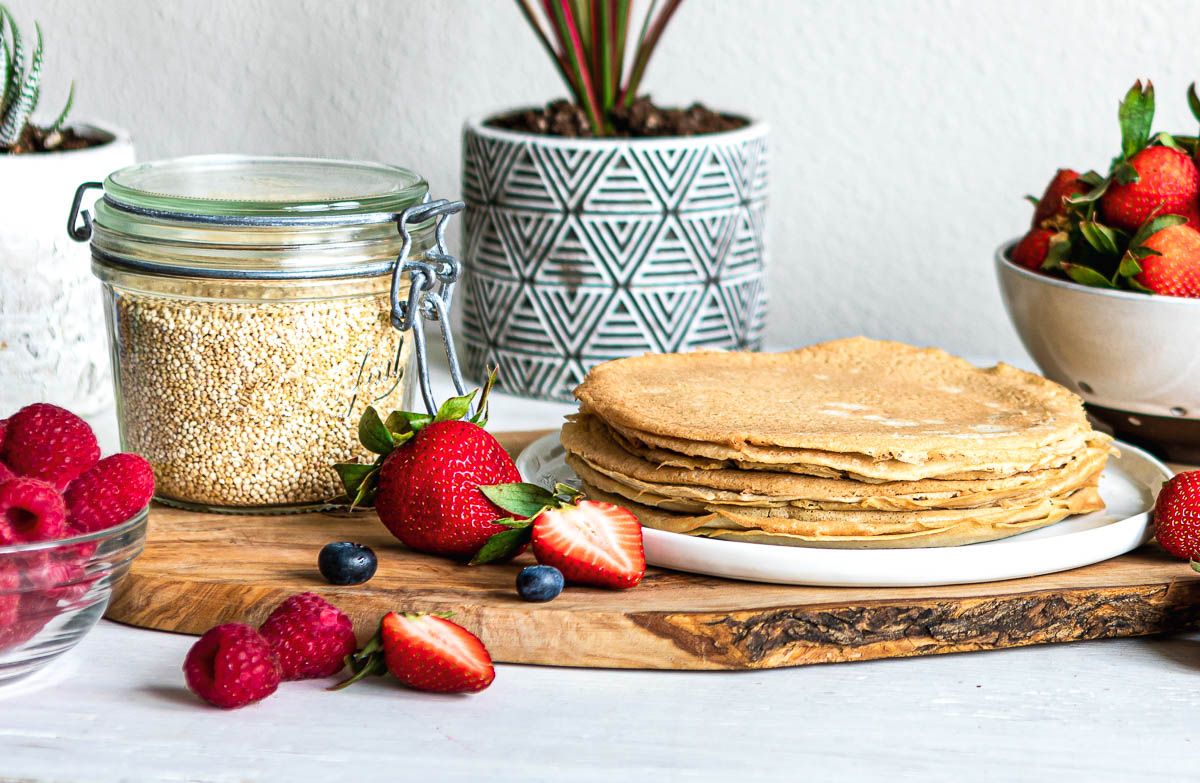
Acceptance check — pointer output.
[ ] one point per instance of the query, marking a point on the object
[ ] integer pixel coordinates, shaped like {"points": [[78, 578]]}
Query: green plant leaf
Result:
{"points": [[1154, 225], [1100, 237], [1187, 143], [503, 545], [520, 498], [1194, 101], [373, 434], [62, 116], [567, 494], [1136, 286], [1136, 115], [17, 116], [1099, 188], [455, 408], [1086, 276]]}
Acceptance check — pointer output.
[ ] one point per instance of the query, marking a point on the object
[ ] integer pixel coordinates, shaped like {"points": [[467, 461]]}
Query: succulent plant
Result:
{"points": [[587, 41], [22, 86]]}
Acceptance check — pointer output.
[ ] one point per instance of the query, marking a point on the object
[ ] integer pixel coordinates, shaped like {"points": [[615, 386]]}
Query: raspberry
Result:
{"points": [[6, 473], [311, 636], [22, 613], [31, 510], [59, 574], [231, 666], [110, 493], [50, 443]]}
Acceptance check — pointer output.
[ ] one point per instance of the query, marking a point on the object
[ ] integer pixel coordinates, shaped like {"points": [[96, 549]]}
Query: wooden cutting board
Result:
{"points": [[199, 570]]}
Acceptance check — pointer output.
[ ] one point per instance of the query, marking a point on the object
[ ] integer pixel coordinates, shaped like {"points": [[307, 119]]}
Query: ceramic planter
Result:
{"points": [[582, 250], [1130, 356], [52, 337]]}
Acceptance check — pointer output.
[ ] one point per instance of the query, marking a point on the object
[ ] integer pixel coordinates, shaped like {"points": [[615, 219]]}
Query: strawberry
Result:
{"points": [[425, 484], [592, 543], [1168, 183], [311, 636], [1065, 183], [49, 443], [429, 496], [1177, 516], [110, 493], [231, 666], [1030, 252], [31, 510], [1176, 272], [426, 652]]}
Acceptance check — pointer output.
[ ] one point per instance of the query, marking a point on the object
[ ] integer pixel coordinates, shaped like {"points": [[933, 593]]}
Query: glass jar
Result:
{"points": [[250, 322]]}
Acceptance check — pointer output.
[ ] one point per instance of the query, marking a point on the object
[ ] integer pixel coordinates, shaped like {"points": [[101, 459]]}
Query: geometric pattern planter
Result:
{"points": [[578, 251]]}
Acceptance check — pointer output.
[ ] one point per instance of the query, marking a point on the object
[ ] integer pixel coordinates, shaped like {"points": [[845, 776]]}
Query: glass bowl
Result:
{"points": [[53, 592]]}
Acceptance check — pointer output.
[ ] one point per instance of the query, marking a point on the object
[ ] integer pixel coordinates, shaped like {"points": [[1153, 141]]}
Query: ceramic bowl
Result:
{"points": [[1132, 357], [53, 592]]}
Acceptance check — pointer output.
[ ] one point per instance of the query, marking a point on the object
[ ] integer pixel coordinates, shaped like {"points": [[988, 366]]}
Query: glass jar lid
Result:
{"points": [[220, 187], [246, 217]]}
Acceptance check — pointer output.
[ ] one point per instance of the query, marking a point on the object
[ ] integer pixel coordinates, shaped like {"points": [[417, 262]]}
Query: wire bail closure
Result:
{"points": [[430, 292], [81, 233]]}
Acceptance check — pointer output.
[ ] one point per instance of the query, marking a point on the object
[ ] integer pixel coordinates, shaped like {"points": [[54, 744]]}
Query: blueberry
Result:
{"points": [[347, 563], [539, 583]]}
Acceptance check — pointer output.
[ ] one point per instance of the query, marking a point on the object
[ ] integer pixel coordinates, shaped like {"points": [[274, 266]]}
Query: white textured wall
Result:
{"points": [[905, 133]]}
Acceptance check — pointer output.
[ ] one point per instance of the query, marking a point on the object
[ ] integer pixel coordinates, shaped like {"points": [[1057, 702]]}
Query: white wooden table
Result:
{"points": [[116, 708]]}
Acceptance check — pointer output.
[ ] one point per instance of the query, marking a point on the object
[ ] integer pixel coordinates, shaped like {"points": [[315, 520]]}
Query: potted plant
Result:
{"points": [[607, 226], [52, 339]]}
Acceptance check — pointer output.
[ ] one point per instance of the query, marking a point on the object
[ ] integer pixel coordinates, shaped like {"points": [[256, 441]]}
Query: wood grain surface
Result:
{"points": [[199, 570]]}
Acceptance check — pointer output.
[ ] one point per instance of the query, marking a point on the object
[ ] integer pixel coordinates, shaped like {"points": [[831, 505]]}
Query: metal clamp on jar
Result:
{"points": [[255, 307]]}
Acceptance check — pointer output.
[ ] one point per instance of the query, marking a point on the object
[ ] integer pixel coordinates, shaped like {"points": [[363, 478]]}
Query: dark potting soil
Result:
{"points": [[642, 119], [35, 139]]}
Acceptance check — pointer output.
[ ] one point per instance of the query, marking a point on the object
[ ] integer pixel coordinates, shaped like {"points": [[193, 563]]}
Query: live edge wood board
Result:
{"points": [[199, 570]]}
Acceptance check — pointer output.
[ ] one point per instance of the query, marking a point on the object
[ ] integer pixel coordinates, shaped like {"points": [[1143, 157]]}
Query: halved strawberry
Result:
{"points": [[426, 652], [592, 543]]}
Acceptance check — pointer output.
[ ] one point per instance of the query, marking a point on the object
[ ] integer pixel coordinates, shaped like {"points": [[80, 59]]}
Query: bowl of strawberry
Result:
{"points": [[70, 525], [1104, 287]]}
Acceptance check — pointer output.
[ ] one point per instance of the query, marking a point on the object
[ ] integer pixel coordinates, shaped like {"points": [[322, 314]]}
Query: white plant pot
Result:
{"points": [[53, 346], [579, 251]]}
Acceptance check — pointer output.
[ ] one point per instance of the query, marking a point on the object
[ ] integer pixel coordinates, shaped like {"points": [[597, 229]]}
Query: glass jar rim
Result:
{"points": [[264, 190]]}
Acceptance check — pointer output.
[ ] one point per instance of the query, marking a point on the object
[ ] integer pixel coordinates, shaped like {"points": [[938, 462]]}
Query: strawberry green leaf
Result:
{"points": [[455, 408], [503, 545], [1187, 143], [1129, 266], [511, 522], [1143, 252], [1086, 276], [1125, 173], [1194, 101], [1033, 200], [373, 434], [1167, 140], [1099, 188], [1058, 252], [565, 493], [519, 498], [399, 422], [1092, 178], [365, 497], [353, 474], [1100, 237], [1136, 286], [481, 415], [1195, 565], [1136, 114], [1154, 225], [369, 661]]}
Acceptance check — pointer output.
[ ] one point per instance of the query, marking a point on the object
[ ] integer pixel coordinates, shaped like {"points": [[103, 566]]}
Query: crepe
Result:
{"points": [[588, 448], [882, 400], [948, 529]]}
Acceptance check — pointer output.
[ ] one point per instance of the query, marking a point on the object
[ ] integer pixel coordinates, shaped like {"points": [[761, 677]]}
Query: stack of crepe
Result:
{"points": [[854, 443]]}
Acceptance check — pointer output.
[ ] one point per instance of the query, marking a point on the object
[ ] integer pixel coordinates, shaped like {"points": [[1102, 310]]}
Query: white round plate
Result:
{"points": [[1129, 485]]}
